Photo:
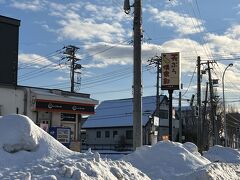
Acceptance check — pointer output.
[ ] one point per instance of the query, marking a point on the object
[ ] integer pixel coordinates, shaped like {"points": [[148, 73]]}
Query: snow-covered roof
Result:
{"points": [[119, 113]]}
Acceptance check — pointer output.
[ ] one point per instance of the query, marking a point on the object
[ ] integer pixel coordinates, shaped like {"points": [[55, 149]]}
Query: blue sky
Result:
{"points": [[103, 32]]}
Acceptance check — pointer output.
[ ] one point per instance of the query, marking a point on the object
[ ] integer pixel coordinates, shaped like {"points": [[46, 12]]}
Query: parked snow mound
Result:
{"points": [[222, 154], [165, 160], [22, 141]]}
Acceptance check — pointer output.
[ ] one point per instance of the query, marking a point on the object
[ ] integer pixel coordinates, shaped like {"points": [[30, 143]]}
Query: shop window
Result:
{"points": [[107, 134], [129, 134], [98, 135]]}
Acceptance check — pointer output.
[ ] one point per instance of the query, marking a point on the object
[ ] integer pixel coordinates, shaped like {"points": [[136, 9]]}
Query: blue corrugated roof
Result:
{"points": [[119, 113]]}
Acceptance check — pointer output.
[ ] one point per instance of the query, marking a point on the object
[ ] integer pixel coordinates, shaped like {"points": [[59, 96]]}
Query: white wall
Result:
{"points": [[92, 139], [10, 100]]}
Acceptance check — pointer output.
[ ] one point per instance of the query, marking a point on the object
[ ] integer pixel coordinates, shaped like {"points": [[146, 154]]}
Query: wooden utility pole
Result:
{"points": [[137, 76], [156, 60], [205, 128], [199, 113]]}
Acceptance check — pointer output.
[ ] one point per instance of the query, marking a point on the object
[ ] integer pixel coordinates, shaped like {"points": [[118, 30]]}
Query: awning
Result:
{"points": [[50, 102]]}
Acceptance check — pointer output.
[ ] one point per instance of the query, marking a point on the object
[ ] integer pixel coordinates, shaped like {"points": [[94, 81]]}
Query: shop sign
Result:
{"points": [[62, 134], [170, 71], [64, 106], [68, 117]]}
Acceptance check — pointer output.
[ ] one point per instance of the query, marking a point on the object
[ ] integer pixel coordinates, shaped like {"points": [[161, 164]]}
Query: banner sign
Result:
{"points": [[170, 71], [60, 106]]}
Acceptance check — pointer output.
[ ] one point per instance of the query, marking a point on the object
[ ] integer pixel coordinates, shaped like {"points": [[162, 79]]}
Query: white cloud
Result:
{"points": [[34, 59], [181, 23], [234, 32], [74, 27], [89, 22], [61, 78], [227, 44], [34, 5]]}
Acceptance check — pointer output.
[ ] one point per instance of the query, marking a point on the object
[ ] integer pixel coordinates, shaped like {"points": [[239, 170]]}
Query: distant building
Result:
{"points": [[111, 126]]}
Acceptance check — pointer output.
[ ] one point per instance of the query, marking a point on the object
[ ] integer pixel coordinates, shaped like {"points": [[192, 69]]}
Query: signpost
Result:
{"points": [[170, 79]]}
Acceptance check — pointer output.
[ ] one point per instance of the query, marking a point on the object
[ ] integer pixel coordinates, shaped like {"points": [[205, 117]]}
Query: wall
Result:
{"points": [[91, 137], [10, 100], [9, 50]]}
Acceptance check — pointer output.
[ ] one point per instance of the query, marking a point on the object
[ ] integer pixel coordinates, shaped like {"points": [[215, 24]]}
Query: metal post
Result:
{"points": [[137, 79], [224, 106], [170, 92], [212, 114], [180, 116]]}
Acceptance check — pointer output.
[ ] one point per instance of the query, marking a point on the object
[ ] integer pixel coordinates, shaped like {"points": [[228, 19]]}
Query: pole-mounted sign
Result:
{"points": [[170, 80], [170, 71]]}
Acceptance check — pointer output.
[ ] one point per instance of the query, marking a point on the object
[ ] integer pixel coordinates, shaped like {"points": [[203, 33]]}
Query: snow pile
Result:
{"points": [[28, 152], [167, 160], [22, 141], [222, 154]]}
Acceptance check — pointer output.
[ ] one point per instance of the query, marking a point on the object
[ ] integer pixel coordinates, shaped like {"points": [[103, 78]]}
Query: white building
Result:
{"points": [[47, 107], [111, 126]]}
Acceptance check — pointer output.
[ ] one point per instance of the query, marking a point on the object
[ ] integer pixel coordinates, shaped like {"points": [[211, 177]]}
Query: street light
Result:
{"points": [[224, 108]]}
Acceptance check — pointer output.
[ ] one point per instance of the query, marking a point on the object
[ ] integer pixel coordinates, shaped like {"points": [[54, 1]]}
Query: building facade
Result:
{"points": [[48, 108], [111, 126]]}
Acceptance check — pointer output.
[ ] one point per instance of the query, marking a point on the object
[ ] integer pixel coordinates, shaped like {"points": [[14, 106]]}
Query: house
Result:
{"points": [[111, 126]]}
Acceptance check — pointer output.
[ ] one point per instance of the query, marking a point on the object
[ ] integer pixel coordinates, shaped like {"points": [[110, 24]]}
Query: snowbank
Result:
{"points": [[167, 160], [222, 154], [22, 141], [28, 152]]}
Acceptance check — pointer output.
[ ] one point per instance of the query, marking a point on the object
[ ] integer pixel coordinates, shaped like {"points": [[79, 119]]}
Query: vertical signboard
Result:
{"points": [[170, 71]]}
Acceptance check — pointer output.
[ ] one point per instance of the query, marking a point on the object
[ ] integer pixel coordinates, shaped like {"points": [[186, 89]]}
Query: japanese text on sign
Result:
{"points": [[170, 71]]}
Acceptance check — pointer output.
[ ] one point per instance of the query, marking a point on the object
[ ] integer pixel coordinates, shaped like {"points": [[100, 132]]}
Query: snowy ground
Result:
{"points": [[28, 152]]}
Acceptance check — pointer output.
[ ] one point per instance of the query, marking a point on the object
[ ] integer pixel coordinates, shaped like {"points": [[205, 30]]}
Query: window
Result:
{"points": [[115, 133], [129, 134], [98, 134], [107, 134], [163, 114]]}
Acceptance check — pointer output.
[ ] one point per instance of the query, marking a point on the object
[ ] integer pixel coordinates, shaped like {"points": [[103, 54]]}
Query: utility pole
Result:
{"points": [[71, 55], [205, 134], [199, 122], [212, 114], [137, 76], [156, 60]]}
